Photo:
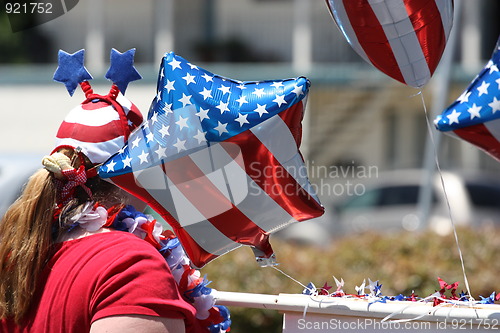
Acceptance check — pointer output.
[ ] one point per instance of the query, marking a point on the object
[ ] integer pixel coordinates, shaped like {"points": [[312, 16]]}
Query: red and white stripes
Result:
{"points": [[234, 192], [97, 128], [403, 38]]}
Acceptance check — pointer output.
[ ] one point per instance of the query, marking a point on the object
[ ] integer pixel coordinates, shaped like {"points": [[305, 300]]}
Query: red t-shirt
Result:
{"points": [[106, 274]]}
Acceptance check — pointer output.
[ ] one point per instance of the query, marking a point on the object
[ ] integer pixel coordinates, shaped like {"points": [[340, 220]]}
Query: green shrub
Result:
{"points": [[402, 262]]}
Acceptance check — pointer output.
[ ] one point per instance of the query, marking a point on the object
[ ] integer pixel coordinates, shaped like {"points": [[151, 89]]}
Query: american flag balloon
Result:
{"points": [[219, 159], [405, 39], [475, 115]]}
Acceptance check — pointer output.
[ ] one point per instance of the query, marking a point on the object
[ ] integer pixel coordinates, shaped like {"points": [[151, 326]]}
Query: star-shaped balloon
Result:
{"points": [[122, 71], [475, 115], [219, 160], [71, 70]]}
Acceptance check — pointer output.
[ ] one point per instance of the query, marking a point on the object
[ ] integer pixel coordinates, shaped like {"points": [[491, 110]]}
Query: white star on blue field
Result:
{"points": [[194, 108], [478, 104]]}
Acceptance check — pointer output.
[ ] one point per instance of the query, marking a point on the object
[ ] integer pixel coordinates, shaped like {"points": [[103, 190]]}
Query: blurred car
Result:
{"points": [[15, 169], [391, 203]]}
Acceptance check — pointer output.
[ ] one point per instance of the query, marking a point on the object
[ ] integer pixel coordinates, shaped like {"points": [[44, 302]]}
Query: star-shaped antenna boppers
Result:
{"points": [[71, 70], [121, 70]]}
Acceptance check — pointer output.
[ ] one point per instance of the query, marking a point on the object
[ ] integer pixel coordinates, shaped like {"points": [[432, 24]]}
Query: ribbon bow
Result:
{"points": [[66, 187]]}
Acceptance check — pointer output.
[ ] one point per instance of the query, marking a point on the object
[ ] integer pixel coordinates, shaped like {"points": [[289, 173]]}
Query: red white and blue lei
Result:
{"points": [[192, 286]]}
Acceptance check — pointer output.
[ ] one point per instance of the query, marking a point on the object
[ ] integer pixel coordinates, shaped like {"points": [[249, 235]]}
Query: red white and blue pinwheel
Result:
{"points": [[219, 160], [475, 115], [404, 39]]}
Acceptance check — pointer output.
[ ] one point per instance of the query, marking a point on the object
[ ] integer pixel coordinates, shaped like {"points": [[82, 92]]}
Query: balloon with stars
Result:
{"points": [[475, 115], [219, 160]]}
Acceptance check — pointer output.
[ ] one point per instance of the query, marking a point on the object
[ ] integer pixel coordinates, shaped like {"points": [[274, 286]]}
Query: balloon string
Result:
{"points": [[436, 159], [291, 278]]}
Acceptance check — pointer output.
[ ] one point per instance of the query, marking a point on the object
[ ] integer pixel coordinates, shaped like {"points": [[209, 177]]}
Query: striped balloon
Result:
{"points": [[405, 39]]}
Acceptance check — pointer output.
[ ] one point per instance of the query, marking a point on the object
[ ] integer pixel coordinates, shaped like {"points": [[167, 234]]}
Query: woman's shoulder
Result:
{"points": [[112, 244], [107, 235], [107, 254]]}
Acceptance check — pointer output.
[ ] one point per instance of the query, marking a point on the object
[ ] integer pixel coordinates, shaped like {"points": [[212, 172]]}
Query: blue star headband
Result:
{"points": [[122, 71], [72, 72]]}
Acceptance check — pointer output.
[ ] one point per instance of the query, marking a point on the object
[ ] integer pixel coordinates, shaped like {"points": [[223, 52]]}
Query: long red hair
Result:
{"points": [[28, 231], [25, 239]]}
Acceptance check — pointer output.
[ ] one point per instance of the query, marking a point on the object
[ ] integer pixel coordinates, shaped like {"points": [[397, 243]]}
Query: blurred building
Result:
{"points": [[356, 115], [234, 30]]}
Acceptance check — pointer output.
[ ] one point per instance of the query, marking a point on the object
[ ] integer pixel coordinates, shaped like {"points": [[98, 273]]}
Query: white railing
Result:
{"points": [[304, 313]]}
